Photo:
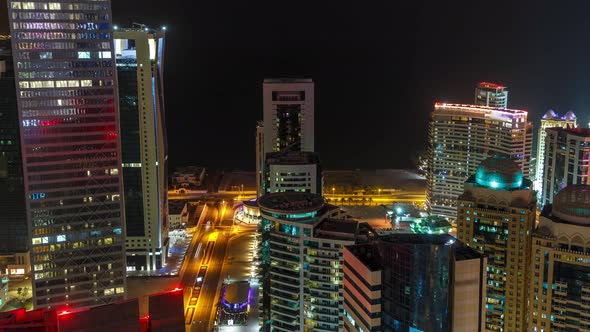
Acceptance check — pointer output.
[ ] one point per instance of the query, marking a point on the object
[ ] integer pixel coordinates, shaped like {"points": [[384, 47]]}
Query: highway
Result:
{"points": [[201, 278]]}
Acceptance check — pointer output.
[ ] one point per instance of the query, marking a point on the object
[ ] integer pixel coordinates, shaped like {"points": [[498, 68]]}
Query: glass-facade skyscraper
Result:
{"points": [[13, 237], [139, 56], [67, 100]]}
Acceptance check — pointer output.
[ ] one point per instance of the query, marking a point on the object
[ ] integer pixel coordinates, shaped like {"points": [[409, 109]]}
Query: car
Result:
{"points": [[193, 301], [208, 224]]}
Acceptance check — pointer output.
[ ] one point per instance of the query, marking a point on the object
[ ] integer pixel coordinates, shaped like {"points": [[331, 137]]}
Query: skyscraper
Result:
{"points": [[567, 151], [14, 236], [303, 262], [139, 57], [411, 282], [496, 215], [288, 123], [66, 90], [460, 138], [491, 94], [560, 264], [549, 120], [293, 171]]}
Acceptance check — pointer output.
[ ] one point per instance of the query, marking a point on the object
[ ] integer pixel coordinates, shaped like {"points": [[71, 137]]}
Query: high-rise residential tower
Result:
{"points": [[70, 144], [560, 264], [491, 94], [139, 57], [414, 282], [288, 123], [460, 138], [13, 237], [549, 120], [302, 259], [567, 151], [496, 215]]}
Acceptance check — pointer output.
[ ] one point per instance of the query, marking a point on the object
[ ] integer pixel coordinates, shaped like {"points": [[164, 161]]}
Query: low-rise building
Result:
{"points": [[15, 265], [188, 177], [177, 214]]}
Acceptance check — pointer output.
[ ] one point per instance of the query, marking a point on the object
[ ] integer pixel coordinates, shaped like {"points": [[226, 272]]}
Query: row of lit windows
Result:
{"points": [[60, 16], [65, 93], [69, 102], [29, 5], [61, 64], [61, 45], [66, 54], [64, 84], [68, 122], [65, 74], [67, 139], [60, 26], [62, 35]]}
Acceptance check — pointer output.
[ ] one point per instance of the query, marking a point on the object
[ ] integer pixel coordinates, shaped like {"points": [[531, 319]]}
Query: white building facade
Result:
{"points": [[460, 138]]}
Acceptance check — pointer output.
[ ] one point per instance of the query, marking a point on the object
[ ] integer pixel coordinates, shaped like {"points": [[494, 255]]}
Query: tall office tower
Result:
{"points": [[288, 123], [259, 158], [293, 171], [549, 120], [567, 151], [66, 91], [413, 282], [13, 237], [491, 94], [460, 138], [496, 215], [560, 264], [139, 57], [303, 287]]}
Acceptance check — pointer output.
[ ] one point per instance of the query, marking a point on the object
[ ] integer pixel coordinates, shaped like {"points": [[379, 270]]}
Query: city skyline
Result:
{"points": [[385, 69]]}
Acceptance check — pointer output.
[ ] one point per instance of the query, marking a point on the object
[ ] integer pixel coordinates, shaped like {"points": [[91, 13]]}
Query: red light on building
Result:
{"points": [[112, 136]]}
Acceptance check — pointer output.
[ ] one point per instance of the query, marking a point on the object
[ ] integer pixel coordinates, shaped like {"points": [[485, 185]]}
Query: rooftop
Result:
{"points": [[488, 85], [175, 207], [237, 292], [552, 115], [579, 131], [477, 108], [291, 202], [288, 80]]}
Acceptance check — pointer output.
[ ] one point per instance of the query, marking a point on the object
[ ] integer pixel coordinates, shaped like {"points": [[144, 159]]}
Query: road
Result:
{"points": [[201, 278]]}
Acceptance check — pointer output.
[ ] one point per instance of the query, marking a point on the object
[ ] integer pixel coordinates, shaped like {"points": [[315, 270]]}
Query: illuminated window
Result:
{"points": [[61, 238], [83, 55]]}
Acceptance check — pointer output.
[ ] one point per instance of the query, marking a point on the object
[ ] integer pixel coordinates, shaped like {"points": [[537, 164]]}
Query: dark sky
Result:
{"points": [[378, 68]]}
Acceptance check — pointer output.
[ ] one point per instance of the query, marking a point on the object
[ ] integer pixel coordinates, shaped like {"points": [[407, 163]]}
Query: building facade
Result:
{"points": [[288, 121], [303, 287], [293, 171], [13, 237], [567, 152], [496, 215], [560, 264], [549, 120], [139, 57], [460, 138], [70, 144], [414, 282], [491, 94]]}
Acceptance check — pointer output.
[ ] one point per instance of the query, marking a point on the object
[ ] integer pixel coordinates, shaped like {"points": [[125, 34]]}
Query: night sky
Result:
{"points": [[378, 68]]}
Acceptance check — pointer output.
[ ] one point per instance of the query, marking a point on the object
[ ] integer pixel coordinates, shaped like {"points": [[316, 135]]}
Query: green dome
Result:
{"points": [[499, 172]]}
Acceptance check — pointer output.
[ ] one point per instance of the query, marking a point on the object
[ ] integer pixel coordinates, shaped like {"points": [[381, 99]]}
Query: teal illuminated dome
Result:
{"points": [[499, 172], [572, 204]]}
